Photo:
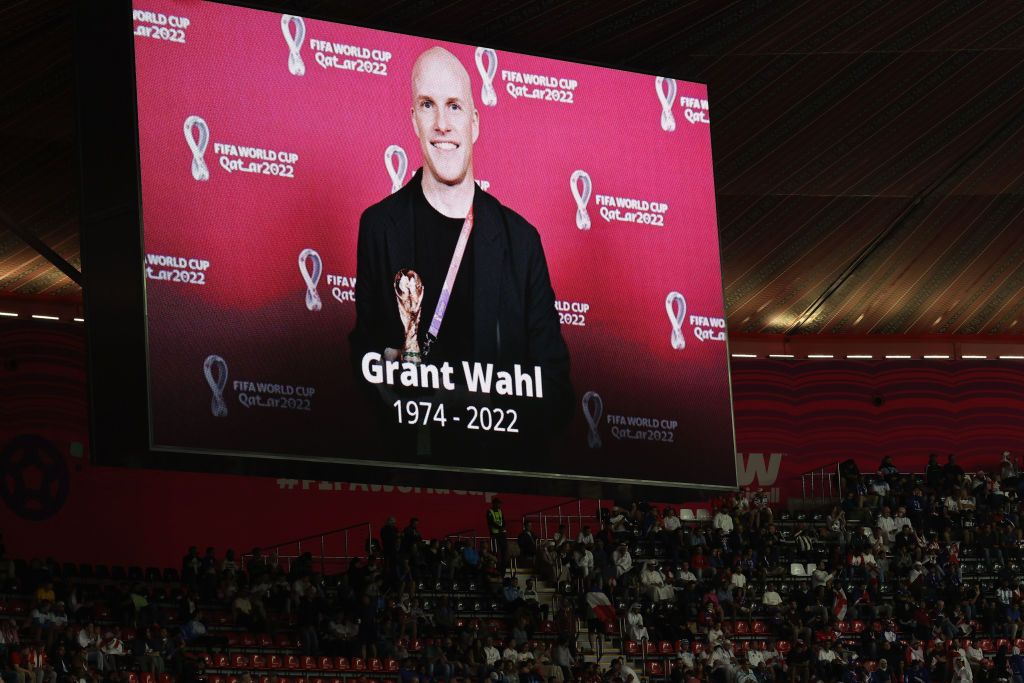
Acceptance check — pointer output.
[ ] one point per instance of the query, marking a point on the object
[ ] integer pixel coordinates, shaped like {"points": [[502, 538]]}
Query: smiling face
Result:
{"points": [[444, 116]]}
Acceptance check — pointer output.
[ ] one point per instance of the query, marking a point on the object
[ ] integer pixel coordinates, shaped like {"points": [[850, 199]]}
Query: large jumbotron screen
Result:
{"points": [[381, 249]]}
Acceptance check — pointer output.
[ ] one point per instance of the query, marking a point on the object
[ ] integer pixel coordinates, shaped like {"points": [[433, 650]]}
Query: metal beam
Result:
{"points": [[44, 250]]}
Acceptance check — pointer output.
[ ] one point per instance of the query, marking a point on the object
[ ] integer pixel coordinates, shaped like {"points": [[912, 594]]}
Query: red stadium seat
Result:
{"points": [[547, 627], [697, 647], [234, 638], [248, 640], [633, 648], [985, 645], [870, 666], [654, 668], [857, 626], [611, 628], [258, 662], [783, 646], [759, 628], [133, 677], [666, 648], [325, 664], [274, 662], [375, 665], [292, 662], [1019, 644], [1002, 642], [146, 677], [264, 640], [239, 662], [650, 648], [341, 664], [283, 640], [217, 678], [742, 628], [415, 645], [220, 661], [391, 665], [843, 626], [308, 663], [358, 664], [264, 679]]}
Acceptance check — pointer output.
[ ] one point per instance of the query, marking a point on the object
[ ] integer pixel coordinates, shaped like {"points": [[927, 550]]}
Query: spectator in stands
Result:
{"points": [[622, 559], [496, 528], [582, 562], [145, 652], [723, 521], [89, 644], [527, 542], [653, 584]]}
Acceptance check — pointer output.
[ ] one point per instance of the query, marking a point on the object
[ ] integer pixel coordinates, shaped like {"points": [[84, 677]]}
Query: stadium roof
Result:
{"points": [[869, 156]]}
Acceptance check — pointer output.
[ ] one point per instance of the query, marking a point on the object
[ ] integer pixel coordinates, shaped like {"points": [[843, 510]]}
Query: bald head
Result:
{"points": [[437, 65]]}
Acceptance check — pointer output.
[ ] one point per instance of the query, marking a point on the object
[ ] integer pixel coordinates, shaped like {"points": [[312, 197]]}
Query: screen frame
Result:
{"points": [[112, 237]]}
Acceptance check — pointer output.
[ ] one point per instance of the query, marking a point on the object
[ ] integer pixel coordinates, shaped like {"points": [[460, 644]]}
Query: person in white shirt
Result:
{"points": [[722, 658], [671, 522], [820, 577], [510, 653], [635, 629], [685, 575], [745, 674], [491, 652], [627, 674], [653, 583], [723, 521], [887, 524], [584, 559], [622, 559], [586, 537], [771, 600], [89, 641], [738, 579], [901, 519]]}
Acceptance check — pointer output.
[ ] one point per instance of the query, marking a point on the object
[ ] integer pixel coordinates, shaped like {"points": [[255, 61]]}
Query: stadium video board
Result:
{"points": [[386, 250]]}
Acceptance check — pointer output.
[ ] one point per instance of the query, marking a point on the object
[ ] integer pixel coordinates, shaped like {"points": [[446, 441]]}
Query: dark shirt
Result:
{"points": [[436, 237]]}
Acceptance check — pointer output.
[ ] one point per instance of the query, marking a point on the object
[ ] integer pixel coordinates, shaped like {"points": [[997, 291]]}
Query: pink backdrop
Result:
{"points": [[231, 67]]}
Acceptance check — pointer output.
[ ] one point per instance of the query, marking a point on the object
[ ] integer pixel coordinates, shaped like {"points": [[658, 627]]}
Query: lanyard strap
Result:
{"points": [[449, 283]]}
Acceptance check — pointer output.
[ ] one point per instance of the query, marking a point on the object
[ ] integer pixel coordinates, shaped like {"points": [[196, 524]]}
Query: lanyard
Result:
{"points": [[449, 283]]}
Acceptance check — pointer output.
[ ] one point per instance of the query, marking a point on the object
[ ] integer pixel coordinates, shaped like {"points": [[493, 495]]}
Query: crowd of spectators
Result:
{"points": [[927, 563]]}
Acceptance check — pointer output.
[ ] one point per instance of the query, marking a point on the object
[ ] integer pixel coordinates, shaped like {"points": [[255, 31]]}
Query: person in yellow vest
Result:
{"points": [[496, 526]]}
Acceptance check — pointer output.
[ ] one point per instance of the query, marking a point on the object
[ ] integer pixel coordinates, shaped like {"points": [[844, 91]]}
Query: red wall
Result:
{"points": [[790, 417]]}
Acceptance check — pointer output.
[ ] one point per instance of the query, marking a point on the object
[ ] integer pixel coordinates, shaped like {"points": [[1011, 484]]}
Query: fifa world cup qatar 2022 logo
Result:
{"points": [[487, 64], [593, 408], [396, 161], [294, 39], [675, 306], [579, 183], [667, 90], [197, 135], [311, 266], [215, 370]]}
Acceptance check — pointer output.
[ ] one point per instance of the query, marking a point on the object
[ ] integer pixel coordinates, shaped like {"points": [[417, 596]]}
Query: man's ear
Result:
{"points": [[476, 124]]}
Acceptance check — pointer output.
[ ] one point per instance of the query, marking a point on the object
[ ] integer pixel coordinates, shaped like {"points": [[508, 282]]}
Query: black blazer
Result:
{"points": [[514, 305]]}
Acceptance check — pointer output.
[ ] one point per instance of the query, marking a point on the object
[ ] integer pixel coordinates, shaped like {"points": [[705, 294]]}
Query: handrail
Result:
{"points": [[824, 483], [312, 536], [468, 534], [551, 507], [544, 515], [817, 469], [342, 555]]}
